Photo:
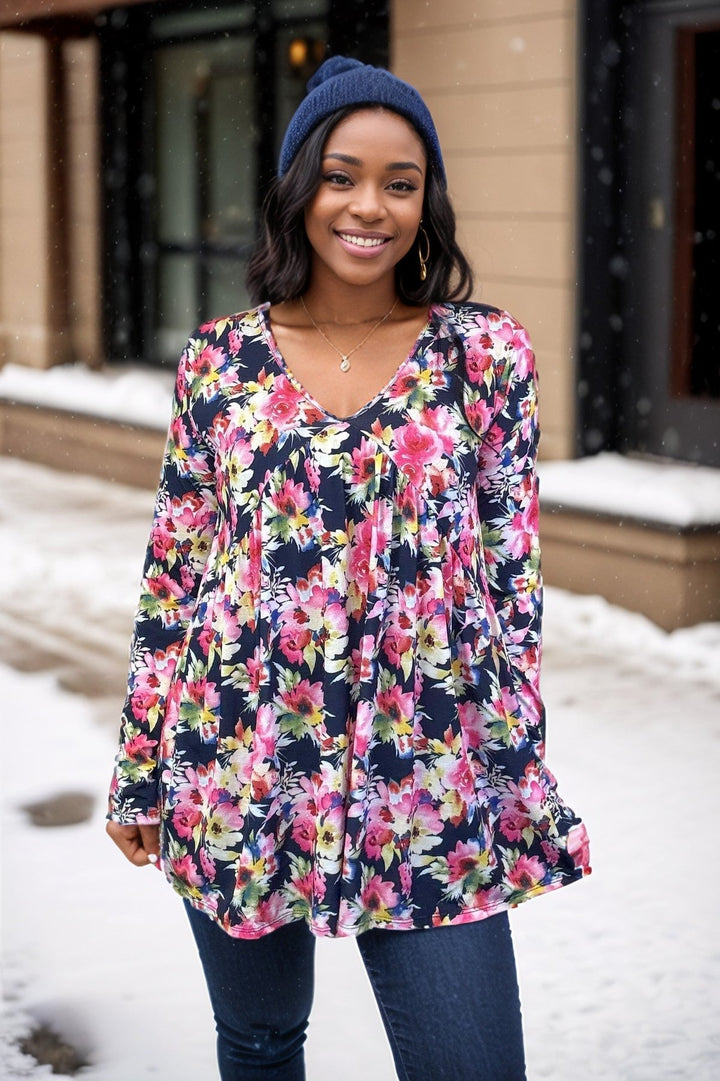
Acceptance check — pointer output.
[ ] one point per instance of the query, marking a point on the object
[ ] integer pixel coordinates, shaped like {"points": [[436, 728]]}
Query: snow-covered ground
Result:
{"points": [[618, 973]]}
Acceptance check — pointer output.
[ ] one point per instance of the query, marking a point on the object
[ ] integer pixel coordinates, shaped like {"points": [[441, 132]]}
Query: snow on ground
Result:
{"points": [[618, 973]]}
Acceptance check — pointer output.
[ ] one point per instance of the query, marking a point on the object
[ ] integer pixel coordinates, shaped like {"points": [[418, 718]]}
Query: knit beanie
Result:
{"points": [[340, 82]]}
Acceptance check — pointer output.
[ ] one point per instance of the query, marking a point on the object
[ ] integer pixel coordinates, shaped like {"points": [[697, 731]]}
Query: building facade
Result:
{"points": [[582, 144]]}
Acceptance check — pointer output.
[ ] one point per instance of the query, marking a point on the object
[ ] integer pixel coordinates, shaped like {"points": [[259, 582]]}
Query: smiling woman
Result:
{"points": [[334, 724]]}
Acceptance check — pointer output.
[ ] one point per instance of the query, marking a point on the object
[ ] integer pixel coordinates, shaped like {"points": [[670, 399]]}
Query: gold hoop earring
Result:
{"points": [[424, 259]]}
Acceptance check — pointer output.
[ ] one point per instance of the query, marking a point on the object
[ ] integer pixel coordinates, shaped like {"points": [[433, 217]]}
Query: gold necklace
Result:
{"points": [[345, 357]]}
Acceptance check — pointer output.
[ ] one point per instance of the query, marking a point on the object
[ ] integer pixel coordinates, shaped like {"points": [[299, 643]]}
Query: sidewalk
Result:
{"points": [[618, 973]]}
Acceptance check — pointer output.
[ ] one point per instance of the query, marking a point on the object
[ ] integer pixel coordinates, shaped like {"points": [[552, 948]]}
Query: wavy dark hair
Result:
{"points": [[279, 267]]}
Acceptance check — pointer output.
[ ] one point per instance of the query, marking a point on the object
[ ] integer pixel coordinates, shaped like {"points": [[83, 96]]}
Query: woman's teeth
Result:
{"points": [[362, 241]]}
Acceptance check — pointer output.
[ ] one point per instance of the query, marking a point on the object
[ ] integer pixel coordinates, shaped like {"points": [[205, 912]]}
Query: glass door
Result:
{"points": [[206, 162]]}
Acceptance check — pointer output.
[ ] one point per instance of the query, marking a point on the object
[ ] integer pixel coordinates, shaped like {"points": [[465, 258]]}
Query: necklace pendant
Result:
{"points": [[345, 357]]}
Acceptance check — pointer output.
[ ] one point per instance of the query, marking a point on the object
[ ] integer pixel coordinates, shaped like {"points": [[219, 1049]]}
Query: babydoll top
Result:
{"points": [[333, 702]]}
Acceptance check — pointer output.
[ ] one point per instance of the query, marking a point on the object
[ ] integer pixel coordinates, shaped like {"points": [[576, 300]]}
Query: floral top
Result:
{"points": [[333, 699]]}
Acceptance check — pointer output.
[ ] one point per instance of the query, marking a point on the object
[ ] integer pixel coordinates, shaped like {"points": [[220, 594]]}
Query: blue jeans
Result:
{"points": [[448, 998]]}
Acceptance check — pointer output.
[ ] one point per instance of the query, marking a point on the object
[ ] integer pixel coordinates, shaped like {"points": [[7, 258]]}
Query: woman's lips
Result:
{"points": [[365, 245]]}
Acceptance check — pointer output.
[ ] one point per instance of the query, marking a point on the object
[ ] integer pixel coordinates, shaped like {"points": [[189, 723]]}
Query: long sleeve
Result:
{"points": [[509, 512], [180, 540]]}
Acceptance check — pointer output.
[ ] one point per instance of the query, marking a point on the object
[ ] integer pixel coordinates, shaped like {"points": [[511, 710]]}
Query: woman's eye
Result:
{"points": [[402, 185], [338, 179]]}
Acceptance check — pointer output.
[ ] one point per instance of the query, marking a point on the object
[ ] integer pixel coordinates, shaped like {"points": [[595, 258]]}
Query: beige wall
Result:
{"points": [[499, 78], [28, 308], [49, 196]]}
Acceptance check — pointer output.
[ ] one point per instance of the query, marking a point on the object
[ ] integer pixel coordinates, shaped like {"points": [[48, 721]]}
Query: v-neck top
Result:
{"points": [[263, 310], [333, 704]]}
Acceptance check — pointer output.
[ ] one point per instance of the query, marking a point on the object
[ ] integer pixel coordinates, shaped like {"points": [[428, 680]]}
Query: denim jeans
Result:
{"points": [[448, 998]]}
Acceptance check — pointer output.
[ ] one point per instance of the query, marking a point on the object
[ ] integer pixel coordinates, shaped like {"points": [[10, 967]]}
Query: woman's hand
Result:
{"points": [[139, 844]]}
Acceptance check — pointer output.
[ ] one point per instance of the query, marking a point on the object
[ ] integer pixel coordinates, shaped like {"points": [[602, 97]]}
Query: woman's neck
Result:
{"points": [[342, 303]]}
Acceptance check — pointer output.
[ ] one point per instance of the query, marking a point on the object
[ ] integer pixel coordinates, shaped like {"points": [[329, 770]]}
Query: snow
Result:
{"points": [[131, 394], [617, 973], [668, 493]]}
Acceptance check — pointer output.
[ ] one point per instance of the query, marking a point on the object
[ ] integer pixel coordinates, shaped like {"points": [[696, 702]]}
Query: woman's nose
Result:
{"points": [[367, 203]]}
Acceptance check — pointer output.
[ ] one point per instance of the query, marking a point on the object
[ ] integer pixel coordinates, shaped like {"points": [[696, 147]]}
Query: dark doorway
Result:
{"points": [[650, 313], [697, 215]]}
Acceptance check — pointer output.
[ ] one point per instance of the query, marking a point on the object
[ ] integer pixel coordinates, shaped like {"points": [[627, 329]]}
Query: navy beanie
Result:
{"points": [[340, 82]]}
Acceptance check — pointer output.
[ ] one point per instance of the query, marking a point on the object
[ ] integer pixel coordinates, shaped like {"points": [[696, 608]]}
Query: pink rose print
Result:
{"points": [[416, 447]]}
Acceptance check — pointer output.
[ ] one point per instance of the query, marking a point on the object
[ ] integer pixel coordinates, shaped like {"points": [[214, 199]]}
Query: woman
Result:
{"points": [[334, 725]]}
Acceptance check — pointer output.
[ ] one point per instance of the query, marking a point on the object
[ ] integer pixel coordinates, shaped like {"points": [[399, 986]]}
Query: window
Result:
{"points": [[195, 106]]}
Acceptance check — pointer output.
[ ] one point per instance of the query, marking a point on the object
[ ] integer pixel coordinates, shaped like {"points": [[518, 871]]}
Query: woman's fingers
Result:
{"points": [[150, 838], [127, 838], [139, 844]]}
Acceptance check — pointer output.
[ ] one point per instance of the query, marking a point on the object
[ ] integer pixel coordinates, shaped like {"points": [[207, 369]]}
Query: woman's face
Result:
{"points": [[365, 215]]}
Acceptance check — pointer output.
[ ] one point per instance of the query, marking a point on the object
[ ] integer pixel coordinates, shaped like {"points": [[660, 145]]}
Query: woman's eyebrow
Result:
{"points": [[393, 165], [343, 157], [390, 167]]}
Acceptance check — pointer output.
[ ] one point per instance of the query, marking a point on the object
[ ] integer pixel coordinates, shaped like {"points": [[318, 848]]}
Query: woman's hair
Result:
{"points": [[279, 267]]}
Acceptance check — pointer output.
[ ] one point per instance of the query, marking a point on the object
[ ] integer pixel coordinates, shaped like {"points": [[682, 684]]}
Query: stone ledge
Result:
{"points": [[79, 443], [671, 574]]}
